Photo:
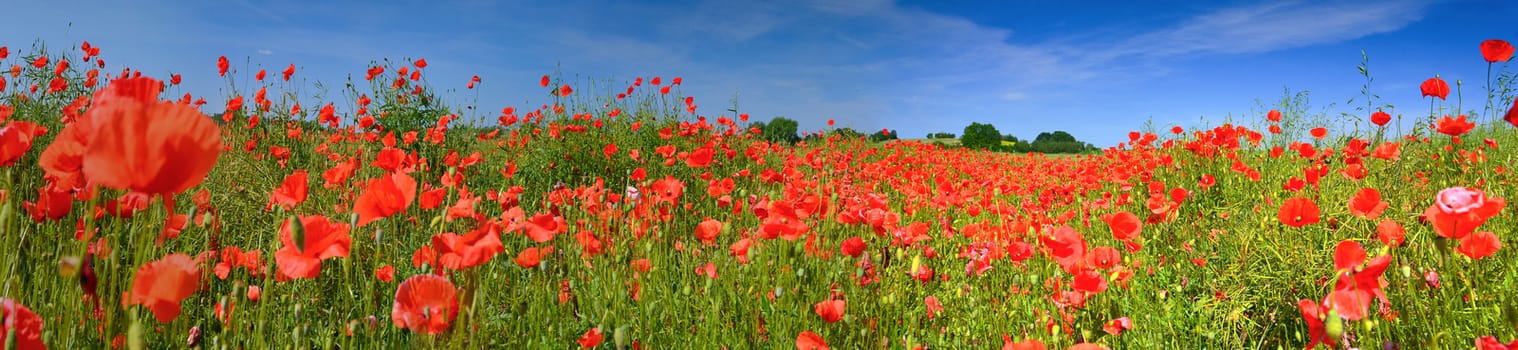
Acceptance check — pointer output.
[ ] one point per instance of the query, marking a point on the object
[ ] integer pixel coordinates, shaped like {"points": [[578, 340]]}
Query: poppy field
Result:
{"points": [[133, 214]]}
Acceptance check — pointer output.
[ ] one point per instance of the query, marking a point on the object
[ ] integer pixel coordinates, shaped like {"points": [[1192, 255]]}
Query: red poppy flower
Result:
{"points": [[739, 249], [1298, 212], [1103, 257], [1496, 50], [1380, 118], [1491, 343], [307, 245], [1435, 87], [384, 197], [233, 257], [933, 306], [592, 338], [289, 72], [1067, 247], [1313, 314], [1273, 116], [1318, 133], [1348, 255], [700, 158], [421, 63], [1089, 281], [291, 192], [16, 139], [1512, 114], [543, 227], [1117, 326], [221, 65], [1030, 344], [140, 144], [1125, 226], [1390, 233], [810, 341], [385, 273], [1367, 204], [19, 321], [1454, 126], [531, 257], [853, 247], [469, 250], [707, 231], [544, 81], [830, 311], [161, 285], [1479, 245], [425, 303]]}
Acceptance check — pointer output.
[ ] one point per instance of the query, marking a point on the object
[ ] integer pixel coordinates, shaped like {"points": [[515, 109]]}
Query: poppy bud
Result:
{"points": [[134, 336], [619, 337], [1333, 326], [297, 233], [5, 219]]}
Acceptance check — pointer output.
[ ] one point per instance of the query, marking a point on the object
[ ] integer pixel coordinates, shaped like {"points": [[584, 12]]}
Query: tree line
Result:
{"points": [[976, 135]]}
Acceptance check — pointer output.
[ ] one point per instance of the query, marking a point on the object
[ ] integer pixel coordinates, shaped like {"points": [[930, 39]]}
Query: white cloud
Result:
{"points": [[265, 52], [1273, 26]]}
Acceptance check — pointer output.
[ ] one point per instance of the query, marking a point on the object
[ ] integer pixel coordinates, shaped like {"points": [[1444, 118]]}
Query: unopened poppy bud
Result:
{"points": [[194, 338], [619, 337], [297, 233], [5, 220], [134, 336], [1333, 325]]}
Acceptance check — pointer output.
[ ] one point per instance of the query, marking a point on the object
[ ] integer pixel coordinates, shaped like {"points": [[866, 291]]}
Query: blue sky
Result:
{"points": [[1096, 69]]}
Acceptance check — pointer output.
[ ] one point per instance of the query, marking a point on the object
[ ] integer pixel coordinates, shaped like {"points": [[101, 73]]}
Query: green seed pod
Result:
{"points": [[10, 333]]}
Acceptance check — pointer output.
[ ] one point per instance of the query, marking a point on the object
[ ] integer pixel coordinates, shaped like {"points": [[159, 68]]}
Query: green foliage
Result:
{"points": [[883, 135], [981, 136], [780, 130], [941, 135]]}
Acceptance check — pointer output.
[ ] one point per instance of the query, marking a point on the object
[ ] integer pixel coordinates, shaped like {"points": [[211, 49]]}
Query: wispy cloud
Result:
{"points": [[1273, 26]]}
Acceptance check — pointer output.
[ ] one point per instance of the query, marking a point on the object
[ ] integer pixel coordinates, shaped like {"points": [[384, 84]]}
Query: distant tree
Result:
{"points": [[1058, 142], [941, 135], [781, 129], [1057, 136], [883, 135], [846, 133], [981, 136]]}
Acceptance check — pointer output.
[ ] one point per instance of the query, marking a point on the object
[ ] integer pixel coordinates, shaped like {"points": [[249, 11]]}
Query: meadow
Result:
{"points": [[133, 215]]}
